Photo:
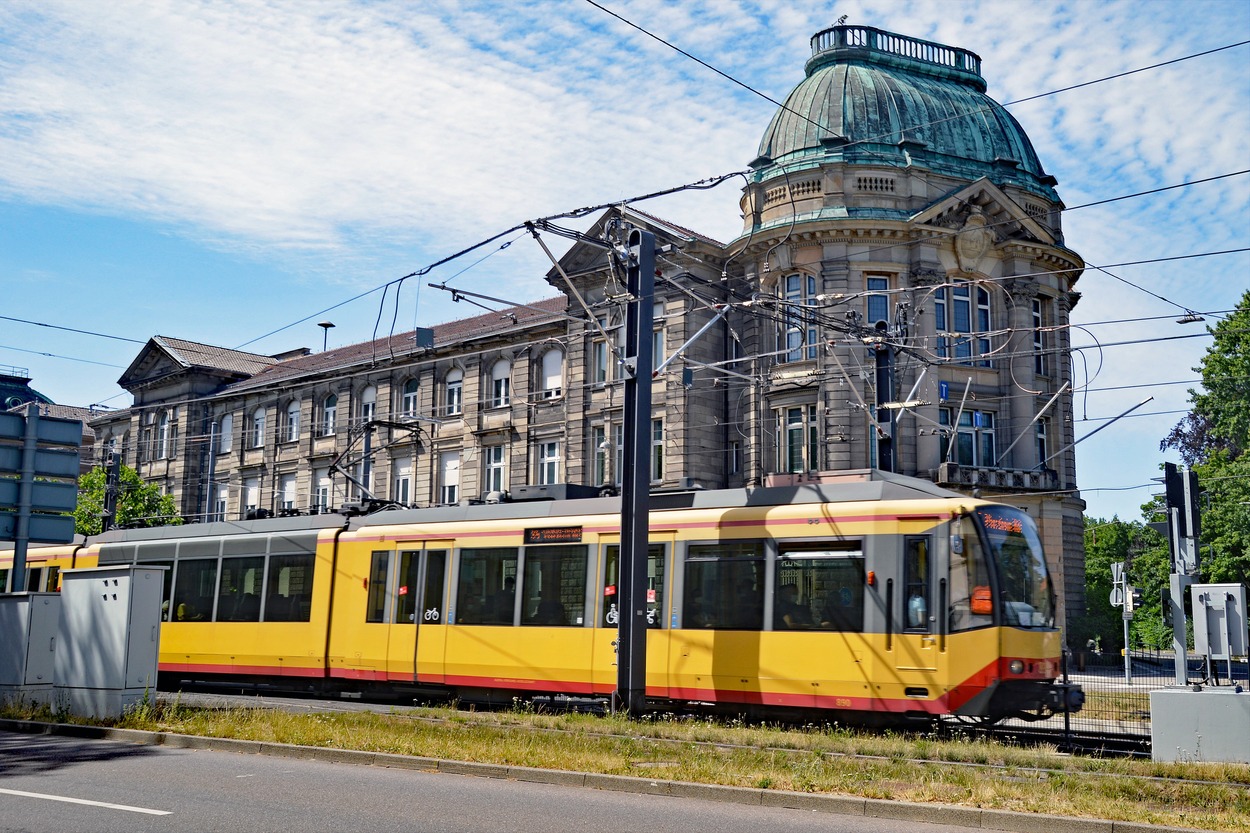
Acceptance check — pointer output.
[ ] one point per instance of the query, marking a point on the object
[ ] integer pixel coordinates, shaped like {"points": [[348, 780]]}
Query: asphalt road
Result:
{"points": [[64, 785]]}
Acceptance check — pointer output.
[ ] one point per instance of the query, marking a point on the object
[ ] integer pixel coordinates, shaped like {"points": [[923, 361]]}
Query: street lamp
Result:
{"points": [[325, 333]]}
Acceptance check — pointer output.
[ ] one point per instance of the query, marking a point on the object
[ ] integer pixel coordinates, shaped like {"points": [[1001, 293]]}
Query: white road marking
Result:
{"points": [[105, 804]]}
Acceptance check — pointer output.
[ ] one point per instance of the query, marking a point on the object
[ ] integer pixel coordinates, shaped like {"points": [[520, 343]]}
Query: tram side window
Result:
{"points": [[379, 567], [554, 585], [193, 590], [916, 583], [724, 586], [819, 589], [655, 585], [289, 594], [972, 605], [239, 597], [486, 589]]}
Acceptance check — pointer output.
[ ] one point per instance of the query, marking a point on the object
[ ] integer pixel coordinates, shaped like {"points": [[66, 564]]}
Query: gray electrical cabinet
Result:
{"points": [[28, 622], [108, 639]]}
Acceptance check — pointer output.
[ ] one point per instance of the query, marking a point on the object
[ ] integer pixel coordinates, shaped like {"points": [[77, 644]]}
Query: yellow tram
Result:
{"points": [[878, 597]]}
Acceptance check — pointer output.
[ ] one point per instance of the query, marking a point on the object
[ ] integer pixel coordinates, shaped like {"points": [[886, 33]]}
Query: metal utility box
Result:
{"points": [[108, 639], [28, 622], [1219, 620], [1211, 725]]}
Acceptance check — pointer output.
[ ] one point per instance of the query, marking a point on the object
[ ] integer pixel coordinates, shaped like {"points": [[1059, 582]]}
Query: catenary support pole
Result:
{"points": [[631, 685]]}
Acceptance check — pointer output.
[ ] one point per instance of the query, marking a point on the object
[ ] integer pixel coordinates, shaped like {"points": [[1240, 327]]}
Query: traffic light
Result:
{"points": [[1132, 599]]}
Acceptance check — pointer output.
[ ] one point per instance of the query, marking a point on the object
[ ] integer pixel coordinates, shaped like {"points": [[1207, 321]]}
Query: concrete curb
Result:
{"points": [[1004, 820]]}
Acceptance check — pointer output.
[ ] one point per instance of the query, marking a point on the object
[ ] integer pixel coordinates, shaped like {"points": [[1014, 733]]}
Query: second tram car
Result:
{"points": [[876, 597]]}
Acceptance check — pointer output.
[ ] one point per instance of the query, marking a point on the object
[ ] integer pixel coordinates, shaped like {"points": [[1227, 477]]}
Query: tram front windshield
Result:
{"points": [[1023, 581]]}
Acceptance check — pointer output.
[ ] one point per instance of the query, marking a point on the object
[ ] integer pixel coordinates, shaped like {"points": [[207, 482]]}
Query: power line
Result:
{"points": [[57, 356], [71, 330]]}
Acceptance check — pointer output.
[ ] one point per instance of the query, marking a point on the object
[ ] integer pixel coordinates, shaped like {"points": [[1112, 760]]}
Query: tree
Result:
{"points": [[1214, 439], [1219, 419], [1144, 552], [138, 503]]}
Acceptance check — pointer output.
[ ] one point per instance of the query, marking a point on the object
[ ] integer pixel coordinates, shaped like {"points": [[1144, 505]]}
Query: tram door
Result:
{"points": [[415, 648], [916, 647], [659, 550]]}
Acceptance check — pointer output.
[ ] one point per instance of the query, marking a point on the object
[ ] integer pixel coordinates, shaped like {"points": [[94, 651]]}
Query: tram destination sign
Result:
{"points": [[553, 535]]}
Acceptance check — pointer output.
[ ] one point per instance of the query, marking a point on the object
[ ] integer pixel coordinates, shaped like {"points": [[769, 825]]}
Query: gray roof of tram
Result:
{"points": [[866, 485]]}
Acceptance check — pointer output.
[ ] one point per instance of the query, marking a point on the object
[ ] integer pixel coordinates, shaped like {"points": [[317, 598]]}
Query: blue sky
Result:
{"points": [[218, 170]]}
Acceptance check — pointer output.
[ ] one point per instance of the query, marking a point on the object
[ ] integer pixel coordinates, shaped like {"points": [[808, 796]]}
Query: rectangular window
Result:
{"points": [[819, 589], [599, 364], [379, 574], [657, 450], [251, 494], [321, 490], [735, 457], [401, 492], [238, 599], [449, 477], [973, 439], [916, 582], [287, 489], [601, 453], [878, 299], [494, 463], [798, 332], [798, 439], [724, 586], [289, 594], [610, 615], [221, 495], [549, 463], [1042, 432], [486, 588], [553, 591], [194, 590], [1040, 365]]}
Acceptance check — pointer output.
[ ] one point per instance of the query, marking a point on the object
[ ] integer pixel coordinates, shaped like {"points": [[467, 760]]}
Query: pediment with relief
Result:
{"points": [[151, 365], [983, 216]]}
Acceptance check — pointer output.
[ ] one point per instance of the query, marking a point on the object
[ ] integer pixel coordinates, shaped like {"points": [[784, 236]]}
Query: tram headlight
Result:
{"points": [[1017, 666]]}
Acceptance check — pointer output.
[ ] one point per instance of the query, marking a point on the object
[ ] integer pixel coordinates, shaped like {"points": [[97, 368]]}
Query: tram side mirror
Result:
{"points": [[982, 602]]}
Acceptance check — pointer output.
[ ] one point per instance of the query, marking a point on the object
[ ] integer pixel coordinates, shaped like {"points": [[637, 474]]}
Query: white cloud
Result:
{"points": [[358, 140]]}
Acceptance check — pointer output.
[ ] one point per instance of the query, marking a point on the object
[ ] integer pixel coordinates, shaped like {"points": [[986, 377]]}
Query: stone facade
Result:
{"points": [[899, 296]]}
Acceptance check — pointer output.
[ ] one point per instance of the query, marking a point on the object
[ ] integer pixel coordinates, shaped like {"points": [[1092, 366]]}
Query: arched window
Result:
{"points": [[453, 393], [162, 436], [292, 421], [553, 373], [409, 404], [257, 437], [226, 432], [329, 415], [368, 403], [501, 384]]}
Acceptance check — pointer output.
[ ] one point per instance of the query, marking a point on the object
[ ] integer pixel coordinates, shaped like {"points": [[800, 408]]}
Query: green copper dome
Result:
{"points": [[875, 98]]}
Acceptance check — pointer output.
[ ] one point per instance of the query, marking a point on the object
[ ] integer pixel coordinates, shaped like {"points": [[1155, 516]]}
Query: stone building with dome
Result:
{"points": [[898, 298]]}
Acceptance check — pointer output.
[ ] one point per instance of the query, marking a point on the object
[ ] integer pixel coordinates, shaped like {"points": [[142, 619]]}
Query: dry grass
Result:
{"points": [[973, 773]]}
